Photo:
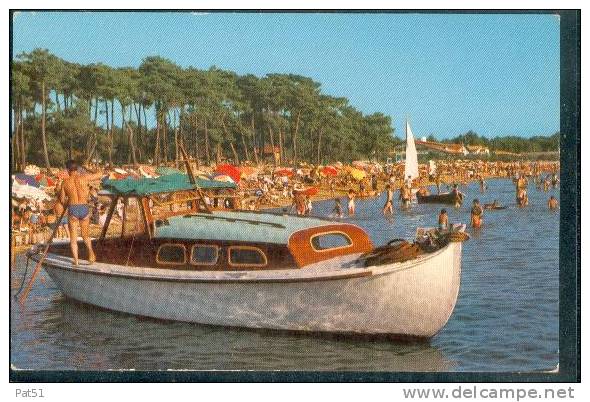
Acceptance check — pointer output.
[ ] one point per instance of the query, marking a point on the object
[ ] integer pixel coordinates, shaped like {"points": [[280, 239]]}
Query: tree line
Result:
{"points": [[510, 143], [64, 110]]}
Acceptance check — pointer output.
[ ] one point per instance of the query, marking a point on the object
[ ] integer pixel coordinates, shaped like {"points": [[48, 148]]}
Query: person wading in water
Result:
{"points": [[75, 190], [388, 207], [476, 214]]}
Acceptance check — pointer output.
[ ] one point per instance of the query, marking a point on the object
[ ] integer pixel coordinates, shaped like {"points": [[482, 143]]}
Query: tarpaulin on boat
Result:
{"points": [[162, 184]]}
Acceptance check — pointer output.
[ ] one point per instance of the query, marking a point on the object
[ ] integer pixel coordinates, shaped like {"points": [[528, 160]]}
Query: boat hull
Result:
{"points": [[411, 299], [448, 199]]}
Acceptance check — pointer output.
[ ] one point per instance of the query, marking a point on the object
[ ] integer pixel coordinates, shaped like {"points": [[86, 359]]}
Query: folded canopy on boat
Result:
{"points": [[162, 184]]}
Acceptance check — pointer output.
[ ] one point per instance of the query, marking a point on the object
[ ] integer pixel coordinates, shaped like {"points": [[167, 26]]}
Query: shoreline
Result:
{"points": [[323, 194]]}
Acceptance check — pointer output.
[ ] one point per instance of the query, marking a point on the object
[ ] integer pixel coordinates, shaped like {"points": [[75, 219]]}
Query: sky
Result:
{"points": [[496, 74]]}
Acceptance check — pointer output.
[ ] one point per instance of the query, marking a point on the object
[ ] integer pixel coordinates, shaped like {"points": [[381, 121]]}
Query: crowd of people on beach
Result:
{"points": [[292, 188]]}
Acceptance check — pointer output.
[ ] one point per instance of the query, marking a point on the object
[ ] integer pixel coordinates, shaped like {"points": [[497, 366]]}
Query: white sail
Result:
{"points": [[411, 155]]}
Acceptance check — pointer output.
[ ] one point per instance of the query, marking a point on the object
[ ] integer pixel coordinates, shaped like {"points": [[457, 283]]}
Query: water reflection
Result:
{"points": [[69, 335]]}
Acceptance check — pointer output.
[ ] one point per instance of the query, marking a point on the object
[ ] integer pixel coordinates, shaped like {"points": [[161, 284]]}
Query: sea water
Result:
{"points": [[506, 317]]}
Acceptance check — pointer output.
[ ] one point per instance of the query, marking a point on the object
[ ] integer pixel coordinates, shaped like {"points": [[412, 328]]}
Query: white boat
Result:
{"points": [[411, 166], [265, 271]]}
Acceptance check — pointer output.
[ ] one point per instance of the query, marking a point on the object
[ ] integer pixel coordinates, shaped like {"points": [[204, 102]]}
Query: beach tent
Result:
{"points": [[229, 170]]}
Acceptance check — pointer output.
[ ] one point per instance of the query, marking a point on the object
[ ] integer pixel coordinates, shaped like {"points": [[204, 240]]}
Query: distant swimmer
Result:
{"points": [[405, 195], [552, 203], [522, 199], [388, 207], [443, 220], [554, 180], [476, 214], [74, 191], [351, 206], [337, 208], [482, 184]]}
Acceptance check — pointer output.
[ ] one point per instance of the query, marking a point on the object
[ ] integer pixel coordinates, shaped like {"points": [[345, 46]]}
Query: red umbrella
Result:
{"points": [[329, 171], [229, 170]]}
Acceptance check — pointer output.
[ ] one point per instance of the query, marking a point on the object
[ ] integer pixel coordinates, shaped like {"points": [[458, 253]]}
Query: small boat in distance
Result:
{"points": [[451, 198]]}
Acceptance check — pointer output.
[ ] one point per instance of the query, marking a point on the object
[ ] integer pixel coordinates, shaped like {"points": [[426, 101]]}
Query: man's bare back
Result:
{"points": [[74, 192], [76, 189]]}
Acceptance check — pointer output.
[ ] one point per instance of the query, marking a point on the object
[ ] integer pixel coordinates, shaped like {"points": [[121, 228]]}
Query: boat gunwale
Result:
{"points": [[360, 272]]}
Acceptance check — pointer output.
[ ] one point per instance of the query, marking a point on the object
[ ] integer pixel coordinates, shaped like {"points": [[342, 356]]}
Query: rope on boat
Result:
{"points": [[22, 284]]}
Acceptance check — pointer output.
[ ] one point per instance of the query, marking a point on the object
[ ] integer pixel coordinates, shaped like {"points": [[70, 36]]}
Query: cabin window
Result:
{"points": [[330, 241], [203, 254], [243, 256], [171, 254]]}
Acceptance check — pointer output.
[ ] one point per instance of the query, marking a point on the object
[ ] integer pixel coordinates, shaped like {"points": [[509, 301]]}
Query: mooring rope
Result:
{"points": [[22, 284]]}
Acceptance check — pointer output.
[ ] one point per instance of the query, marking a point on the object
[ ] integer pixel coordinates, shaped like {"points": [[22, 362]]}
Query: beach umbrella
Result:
{"points": [[229, 170], [329, 171], [357, 173], [284, 172], [29, 192], [32, 170], [22, 178]]}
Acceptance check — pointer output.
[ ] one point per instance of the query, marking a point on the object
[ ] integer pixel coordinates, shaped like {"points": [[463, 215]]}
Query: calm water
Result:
{"points": [[506, 318]]}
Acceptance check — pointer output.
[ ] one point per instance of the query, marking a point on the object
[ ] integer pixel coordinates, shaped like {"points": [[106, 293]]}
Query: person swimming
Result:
{"points": [[552, 203], [476, 214], [443, 220]]}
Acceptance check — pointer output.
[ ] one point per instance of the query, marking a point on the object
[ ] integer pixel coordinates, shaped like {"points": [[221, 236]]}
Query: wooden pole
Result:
{"points": [[25, 294], [142, 205], [109, 216], [124, 223], [191, 176]]}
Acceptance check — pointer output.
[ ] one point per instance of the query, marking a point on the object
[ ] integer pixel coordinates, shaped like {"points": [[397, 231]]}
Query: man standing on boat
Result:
{"points": [[74, 191]]}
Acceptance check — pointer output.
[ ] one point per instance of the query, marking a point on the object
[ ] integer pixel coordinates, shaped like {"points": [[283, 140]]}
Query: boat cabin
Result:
{"points": [[167, 224]]}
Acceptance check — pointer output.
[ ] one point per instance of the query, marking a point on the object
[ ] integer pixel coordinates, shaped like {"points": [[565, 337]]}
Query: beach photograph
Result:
{"points": [[274, 191]]}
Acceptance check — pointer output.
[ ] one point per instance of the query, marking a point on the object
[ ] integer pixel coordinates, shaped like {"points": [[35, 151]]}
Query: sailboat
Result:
{"points": [[411, 168]]}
